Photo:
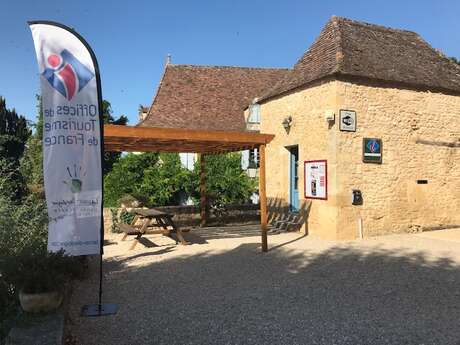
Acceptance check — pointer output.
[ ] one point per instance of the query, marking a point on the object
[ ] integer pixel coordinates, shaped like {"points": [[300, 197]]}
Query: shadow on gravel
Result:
{"points": [[342, 295], [161, 251], [221, 232]]}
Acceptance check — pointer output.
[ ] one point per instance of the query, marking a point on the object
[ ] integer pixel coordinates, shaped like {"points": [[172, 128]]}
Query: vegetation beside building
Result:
{"points": [[23, 219], [160, 180]]}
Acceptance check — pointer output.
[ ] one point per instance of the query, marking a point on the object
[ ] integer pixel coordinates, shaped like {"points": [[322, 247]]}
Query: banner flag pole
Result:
{"points": [[73, 145]]}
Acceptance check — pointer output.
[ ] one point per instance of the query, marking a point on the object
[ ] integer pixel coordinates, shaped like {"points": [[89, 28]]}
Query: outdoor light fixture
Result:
{"points": [[287, 123]]}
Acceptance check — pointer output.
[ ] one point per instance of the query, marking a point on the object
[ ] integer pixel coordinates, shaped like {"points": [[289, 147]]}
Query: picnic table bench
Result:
{"points": [[152, 218]]}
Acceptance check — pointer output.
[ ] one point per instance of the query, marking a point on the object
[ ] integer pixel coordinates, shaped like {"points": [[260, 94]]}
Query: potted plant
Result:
{"points": [[40, 278]]}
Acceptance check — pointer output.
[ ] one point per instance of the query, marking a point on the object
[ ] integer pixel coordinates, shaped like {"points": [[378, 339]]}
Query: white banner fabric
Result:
{"points": [[71, 139]]}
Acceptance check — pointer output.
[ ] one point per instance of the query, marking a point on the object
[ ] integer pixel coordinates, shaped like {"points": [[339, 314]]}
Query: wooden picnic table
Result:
{"points": [[152, 218]]}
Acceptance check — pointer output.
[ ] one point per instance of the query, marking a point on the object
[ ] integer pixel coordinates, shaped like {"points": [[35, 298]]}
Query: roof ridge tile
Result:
{"points": [[339, 53], [371, 25], [229, 67]]}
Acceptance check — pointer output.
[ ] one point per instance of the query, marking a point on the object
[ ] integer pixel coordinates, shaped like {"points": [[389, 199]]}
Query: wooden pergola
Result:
{"points": [[203, 142]]}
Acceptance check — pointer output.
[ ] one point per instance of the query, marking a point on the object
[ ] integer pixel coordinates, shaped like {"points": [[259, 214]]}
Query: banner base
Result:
{"points": [[99, 309]]}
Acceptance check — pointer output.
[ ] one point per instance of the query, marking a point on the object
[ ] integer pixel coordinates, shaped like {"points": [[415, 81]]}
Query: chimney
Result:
{"points": [[168, 59], [143, 111]]}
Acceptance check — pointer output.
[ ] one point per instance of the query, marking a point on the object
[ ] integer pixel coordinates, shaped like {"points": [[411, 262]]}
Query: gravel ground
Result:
{"points": [[399, 289]]}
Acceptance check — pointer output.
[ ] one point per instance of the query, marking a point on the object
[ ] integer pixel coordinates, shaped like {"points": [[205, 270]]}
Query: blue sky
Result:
{"points": [[132, 38]]}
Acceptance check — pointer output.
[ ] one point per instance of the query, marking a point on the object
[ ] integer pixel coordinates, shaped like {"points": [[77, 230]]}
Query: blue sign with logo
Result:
{"points": [[372, 150]]}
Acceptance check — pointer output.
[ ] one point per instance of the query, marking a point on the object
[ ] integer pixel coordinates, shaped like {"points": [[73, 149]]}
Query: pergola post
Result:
{"points": [[203, 206], [263, 198]]}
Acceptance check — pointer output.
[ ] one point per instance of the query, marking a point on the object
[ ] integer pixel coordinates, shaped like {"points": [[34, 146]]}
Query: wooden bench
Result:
{"points": [[130, 230], [161, 219]]}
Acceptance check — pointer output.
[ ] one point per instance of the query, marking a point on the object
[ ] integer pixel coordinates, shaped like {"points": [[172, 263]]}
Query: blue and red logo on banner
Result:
{"points": [[66, 74]]}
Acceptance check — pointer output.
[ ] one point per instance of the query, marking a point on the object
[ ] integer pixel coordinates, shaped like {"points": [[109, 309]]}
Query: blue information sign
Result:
{"points": [[372, 150]]}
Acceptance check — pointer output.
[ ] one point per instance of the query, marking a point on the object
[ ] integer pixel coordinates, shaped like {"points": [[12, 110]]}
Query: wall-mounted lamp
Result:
{"points": [[329, 116], [287, 123]]}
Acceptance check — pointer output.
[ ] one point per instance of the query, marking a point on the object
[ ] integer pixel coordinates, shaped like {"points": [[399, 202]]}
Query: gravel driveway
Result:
{"points": [[399, 289]]}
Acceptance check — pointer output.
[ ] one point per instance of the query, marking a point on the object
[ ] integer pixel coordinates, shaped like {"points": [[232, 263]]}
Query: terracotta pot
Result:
{"points": [[40, 302]]}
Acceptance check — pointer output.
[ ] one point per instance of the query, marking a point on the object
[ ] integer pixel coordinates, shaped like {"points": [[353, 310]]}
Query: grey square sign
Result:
{"points": [[347, 120]]}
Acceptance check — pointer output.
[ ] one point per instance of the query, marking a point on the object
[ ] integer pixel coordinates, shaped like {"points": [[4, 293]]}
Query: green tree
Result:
{"points": [[126, 177], [32, 163], [226, 182], [154, 179], [14, 133], [454, 59], [159, 179], [111, 157], [164, 182]]}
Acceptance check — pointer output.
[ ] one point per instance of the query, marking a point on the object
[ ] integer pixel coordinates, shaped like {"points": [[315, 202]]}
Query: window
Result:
{"points": [[254, 113], [253, 159]]}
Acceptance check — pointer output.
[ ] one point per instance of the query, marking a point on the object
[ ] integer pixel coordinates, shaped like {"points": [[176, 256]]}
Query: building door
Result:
{"points": [[293, 178]]}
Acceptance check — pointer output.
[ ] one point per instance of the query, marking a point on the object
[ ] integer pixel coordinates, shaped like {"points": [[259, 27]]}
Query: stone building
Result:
{"points": [[403, 96], [360, 92]]}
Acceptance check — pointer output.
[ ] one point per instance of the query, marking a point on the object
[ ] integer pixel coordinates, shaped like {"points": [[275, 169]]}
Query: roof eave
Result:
{"points": [[339, 75]]}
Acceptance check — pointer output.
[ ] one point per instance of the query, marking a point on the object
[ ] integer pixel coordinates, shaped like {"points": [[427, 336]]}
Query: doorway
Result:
{"points": [[293, 178]]}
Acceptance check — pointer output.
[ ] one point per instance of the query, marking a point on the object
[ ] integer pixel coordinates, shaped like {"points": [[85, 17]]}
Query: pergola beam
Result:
{"points": [[128, 138], [119, 147]]}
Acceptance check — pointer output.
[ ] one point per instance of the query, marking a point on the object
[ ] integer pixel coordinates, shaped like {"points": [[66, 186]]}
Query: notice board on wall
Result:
{"points": [[316, 179]]}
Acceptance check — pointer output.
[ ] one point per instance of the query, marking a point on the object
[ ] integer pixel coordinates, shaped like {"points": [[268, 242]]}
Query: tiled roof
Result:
{"points": [[350, 48], [208, 97]]}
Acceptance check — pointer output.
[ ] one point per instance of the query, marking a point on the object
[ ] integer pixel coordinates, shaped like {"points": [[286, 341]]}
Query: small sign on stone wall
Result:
{"points": [[372, 150], [347, 120], [315, 179]]}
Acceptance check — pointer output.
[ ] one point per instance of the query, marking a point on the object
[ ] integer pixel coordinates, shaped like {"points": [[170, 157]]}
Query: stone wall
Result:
{"points": [[420, 131], [310, 131], [188, 216]]}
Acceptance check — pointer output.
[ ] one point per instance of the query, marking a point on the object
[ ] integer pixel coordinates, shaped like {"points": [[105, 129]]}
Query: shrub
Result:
{"points": [[22, 226], [120, 217], [32, 165], [36, 271], [12, 184], [9, 307], [24, 261], [128, 201]]}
